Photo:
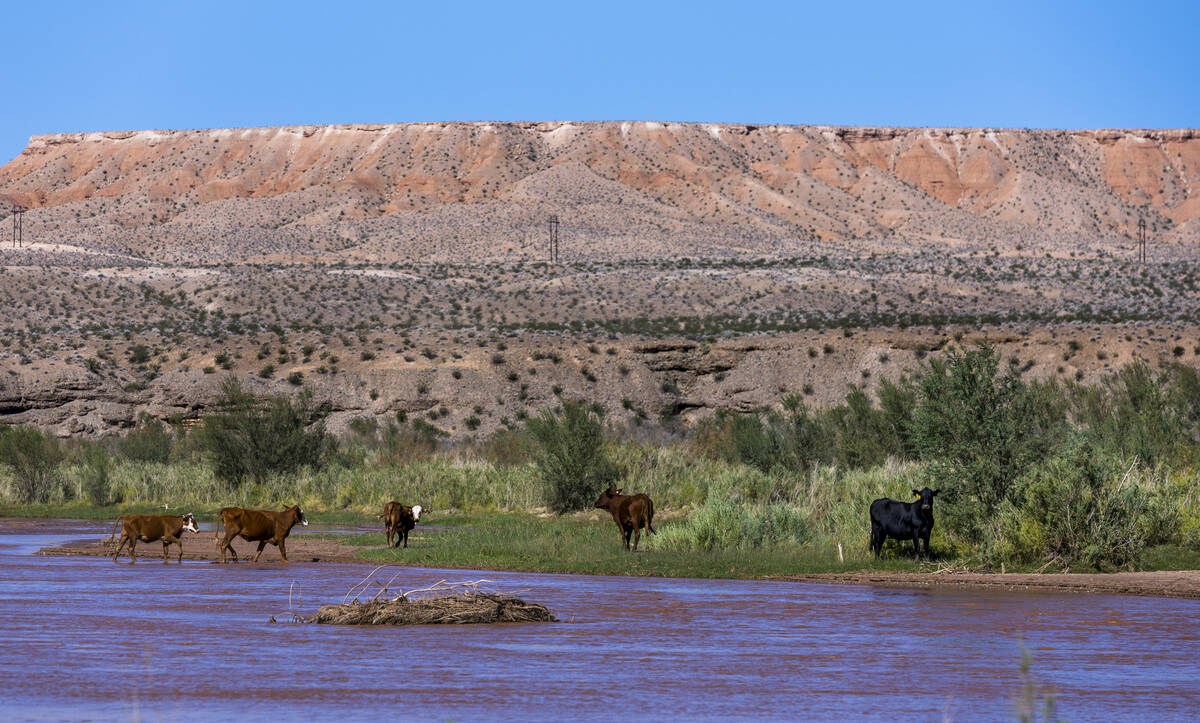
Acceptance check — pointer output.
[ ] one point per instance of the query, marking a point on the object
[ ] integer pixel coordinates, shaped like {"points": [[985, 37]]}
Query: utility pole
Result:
{"points": [[1142, 240], [18, 230], [554, 239]]}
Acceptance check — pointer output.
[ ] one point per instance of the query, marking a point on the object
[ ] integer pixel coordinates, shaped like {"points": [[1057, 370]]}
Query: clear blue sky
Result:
{"points": [[84, 66]]}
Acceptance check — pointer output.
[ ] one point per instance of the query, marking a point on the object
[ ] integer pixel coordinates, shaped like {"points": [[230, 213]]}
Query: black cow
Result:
{"points": [[903, 521]]}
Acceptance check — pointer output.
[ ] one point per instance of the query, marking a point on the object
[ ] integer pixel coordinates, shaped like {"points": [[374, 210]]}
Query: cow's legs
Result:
{"points": [[917, 545], [925, 539], [405, 533], [626, 533], [282, 551], [120, 544], [178, 541], [390, 534], [637, 534], [877, 538], [132, 554], [166, 549], [258, 552], [224, 545]]}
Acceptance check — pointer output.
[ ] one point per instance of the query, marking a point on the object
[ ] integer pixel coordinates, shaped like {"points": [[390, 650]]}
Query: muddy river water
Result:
{"points": [[85, 639]]}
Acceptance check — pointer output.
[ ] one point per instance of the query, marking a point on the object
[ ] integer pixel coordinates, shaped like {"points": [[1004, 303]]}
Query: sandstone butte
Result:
{"points": [[628, 188]]}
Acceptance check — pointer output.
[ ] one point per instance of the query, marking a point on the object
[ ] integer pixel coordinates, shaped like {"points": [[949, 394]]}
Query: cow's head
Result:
{"points": [[606, 498], [189, 523], [417, 510], [298, 514], [926, 496]]}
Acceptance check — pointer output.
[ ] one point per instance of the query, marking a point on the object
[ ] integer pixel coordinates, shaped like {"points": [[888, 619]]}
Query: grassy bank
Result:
{"points": [[578, 544]]}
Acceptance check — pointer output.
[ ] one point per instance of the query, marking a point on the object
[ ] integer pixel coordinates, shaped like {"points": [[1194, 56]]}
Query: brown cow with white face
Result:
{"points": [[399, 520], [630, 512], [150, 528], [261, 526]]}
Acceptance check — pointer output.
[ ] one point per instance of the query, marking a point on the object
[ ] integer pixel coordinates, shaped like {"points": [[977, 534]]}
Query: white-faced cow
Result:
{"points": [[261, 526], [150, 528], [903, 521], [399, 520], [630, 512]]}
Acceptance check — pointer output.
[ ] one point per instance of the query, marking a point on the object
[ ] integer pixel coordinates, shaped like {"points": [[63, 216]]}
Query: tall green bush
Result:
{"points": [[980, 429], [33, 457], [1079, 507], [570, 455], [150, 442], [95, 475], [250, 438]]}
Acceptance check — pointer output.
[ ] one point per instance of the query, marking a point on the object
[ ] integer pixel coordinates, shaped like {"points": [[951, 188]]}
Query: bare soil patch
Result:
{"points": [[202, 547]]}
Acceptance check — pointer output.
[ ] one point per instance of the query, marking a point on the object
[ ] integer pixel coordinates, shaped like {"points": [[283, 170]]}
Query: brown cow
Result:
{"points": [[398, 520], [149, 528], [630, 512], [261, 526]]}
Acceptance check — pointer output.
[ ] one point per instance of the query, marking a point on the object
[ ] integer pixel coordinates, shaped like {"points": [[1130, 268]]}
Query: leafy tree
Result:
{"points": [[981, 429]]}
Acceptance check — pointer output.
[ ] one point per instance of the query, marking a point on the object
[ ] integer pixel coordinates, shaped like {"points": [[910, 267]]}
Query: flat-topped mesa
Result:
{"points": [[726, 186]]}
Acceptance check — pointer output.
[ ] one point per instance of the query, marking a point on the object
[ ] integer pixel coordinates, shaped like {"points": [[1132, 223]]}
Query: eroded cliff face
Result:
{"points": [[417, 190]]}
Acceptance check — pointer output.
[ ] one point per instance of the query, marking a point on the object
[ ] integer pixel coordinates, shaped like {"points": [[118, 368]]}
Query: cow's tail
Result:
{"points": [[113, 537], [217, 528], [650, 517]]}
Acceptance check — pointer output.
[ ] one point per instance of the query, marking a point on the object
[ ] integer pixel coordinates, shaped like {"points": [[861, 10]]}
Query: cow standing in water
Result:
{"points": [[149, 528], [903, 521], [399, 520], [261, 526], [630, 512]]}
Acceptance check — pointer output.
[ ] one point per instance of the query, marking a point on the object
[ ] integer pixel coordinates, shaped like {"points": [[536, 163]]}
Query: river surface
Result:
{"points": [[86, 639]]}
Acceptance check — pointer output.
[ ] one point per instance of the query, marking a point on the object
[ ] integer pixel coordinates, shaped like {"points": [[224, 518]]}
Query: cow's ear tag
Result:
{"points": [[916, 494]]}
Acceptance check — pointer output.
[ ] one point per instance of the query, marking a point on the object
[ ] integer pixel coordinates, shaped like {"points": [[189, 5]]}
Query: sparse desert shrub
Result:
{"points": [[139, 354]]}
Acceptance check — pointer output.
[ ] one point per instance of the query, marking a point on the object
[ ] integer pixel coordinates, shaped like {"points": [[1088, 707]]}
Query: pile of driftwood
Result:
{"points": [[443, 603]]}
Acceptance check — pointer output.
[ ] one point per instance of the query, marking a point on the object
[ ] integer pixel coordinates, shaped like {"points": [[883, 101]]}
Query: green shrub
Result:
{"points": [[570, 455], [981, 430], [150, 442], [33, 457], [404, 444], [726, 523], [1138, 413], [1077, 508], [95, 476], [249, 438]]}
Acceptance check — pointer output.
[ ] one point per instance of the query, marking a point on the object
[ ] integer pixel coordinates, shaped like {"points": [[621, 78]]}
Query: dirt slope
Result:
{"points": [[484, 190]]}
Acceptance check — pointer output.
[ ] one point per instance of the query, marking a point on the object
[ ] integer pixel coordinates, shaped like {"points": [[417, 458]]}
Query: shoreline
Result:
{"points": [[1183, 584]]}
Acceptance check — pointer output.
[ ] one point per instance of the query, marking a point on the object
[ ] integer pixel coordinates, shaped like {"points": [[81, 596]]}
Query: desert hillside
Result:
{"points": [[483, 191], [400, 270]]}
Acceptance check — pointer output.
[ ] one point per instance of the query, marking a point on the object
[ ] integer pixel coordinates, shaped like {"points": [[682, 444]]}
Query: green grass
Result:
{"points": [[575, 544]]}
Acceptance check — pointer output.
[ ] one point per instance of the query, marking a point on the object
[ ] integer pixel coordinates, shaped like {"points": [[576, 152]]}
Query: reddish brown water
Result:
{"points": [[83, 638]]}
